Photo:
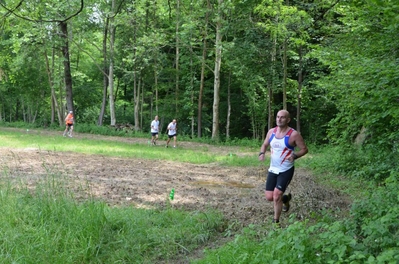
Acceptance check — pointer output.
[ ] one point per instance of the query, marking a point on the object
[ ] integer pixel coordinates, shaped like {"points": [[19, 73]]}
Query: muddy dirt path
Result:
{"points": [[237, 192]]}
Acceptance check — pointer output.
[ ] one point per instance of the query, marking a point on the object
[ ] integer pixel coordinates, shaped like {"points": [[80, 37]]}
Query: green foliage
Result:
{"points": [[243, 142], [105, 130], [362, 81], [376, 221], [369, 235], [365, 162], [145, 61], [20, 124], [49, 226]]}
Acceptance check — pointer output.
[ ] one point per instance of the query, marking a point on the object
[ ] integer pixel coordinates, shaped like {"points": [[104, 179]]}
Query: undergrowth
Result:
{"points": [[48, 226], [59, 230], [369, 235]]}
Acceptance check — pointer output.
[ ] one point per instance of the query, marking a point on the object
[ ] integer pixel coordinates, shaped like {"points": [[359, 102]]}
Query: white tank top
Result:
{"points": [[280, 152]]}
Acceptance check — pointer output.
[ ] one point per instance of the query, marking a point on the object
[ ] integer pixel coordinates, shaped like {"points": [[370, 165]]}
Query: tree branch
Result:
{"points": [[12, 11]]}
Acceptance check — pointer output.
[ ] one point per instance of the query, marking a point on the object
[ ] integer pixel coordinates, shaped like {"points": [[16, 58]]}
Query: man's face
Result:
{"points": [[282, 119]]}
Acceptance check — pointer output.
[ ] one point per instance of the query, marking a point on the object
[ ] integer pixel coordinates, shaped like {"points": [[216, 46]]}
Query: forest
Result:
{"points": [[221, 68]]}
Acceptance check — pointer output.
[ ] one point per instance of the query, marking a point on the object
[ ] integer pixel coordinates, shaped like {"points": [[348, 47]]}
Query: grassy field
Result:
{"points": [[50, 226], [132, 149]]}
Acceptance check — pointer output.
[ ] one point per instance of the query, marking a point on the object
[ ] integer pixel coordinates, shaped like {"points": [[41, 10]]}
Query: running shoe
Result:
{"points": [[286, 202]]}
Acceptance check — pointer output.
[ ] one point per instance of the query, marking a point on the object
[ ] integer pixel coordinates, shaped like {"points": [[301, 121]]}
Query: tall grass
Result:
{"points": [[48, 226]]}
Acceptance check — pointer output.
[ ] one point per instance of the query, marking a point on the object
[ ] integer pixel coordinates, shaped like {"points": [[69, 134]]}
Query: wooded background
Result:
{"points": [[222, 68]]}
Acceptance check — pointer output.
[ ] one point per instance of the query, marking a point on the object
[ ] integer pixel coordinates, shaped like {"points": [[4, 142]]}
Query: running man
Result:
{"points": [[69, 121], [282, 141], [154, 130], [172, 132]]}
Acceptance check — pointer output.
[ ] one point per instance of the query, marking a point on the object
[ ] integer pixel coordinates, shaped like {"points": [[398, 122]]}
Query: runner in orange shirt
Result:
{"points": [[69, 120]]}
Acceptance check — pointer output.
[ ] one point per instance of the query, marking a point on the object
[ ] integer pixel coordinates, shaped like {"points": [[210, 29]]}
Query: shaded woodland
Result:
{"points": [[221, 68]]}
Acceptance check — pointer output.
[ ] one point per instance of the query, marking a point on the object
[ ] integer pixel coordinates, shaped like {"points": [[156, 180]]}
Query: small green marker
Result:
{"points": [[172, 194]]}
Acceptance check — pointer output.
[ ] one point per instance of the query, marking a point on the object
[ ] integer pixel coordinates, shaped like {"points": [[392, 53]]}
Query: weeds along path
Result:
{"points": [[237, 192]]}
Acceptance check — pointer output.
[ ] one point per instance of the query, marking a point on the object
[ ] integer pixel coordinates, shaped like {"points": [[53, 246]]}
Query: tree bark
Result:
{"points": [[203, 65], [299, 98], [285, 74], [54, 103], [271, 86], [216, 84], [111, 66], [136, 98], [228, 108], [177, 55], [105, 76], [67, 66]]}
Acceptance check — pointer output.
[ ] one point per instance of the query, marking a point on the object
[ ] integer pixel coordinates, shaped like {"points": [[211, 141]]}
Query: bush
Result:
{"points": [[369, 235]]}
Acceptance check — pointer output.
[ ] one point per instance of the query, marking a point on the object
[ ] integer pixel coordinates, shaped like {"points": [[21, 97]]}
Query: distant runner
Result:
{"points": [[154, 130], [172, 132], [69, 121]]}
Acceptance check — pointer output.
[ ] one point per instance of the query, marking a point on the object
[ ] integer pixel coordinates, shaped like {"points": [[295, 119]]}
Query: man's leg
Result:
{"points": [[174, 141], [286, 202], [70, 131], [283, 181], [278, 203]]}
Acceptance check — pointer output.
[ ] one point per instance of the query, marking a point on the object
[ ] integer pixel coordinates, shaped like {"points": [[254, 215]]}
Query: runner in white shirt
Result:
{"points": [[282, 141], [172, 132], [154, 130]]}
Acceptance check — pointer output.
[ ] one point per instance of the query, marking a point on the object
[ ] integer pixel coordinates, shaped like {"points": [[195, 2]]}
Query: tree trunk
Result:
{"points": [[285, 74], [156, 88], [216, 84], [177, 54], [203, 65], [300, 80], [136, 83], [192, 91], [201, 91], [271, 86], [111, 66], [54, 103], [67, 66], [105, 76], [228, 108], [141, 103], [136, 98]]}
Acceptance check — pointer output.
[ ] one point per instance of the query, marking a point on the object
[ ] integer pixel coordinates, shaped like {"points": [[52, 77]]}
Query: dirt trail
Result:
{"points": [[235, 191]]}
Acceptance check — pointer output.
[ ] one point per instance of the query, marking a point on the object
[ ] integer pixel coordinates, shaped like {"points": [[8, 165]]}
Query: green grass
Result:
{"points": [[322, 162], [86, 145], [49, 226], [368, 234]]}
